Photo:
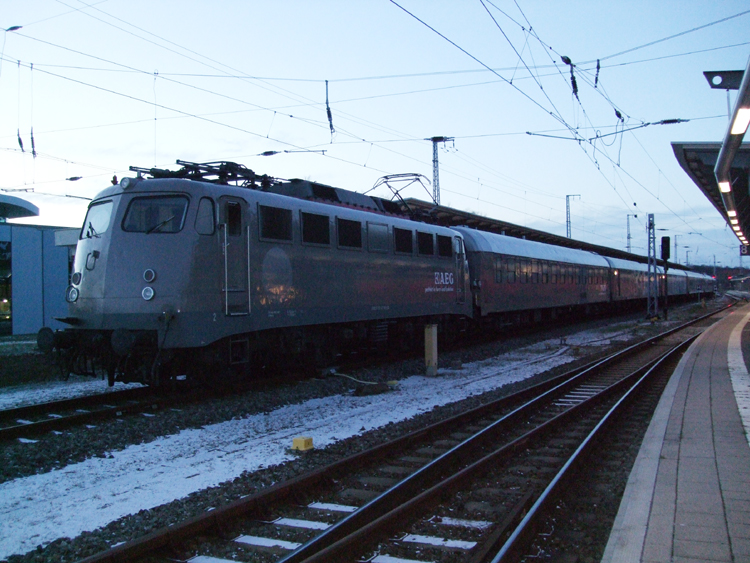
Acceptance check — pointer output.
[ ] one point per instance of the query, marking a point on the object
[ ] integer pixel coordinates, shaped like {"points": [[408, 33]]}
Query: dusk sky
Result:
{"points": [[108, 84]]}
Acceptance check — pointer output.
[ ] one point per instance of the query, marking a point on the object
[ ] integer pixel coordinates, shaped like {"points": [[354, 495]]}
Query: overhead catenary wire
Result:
{"points": [[370, 142], [187, 114]]}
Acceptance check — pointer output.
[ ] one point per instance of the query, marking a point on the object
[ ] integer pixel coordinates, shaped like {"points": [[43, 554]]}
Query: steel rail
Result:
{"points": [[12, 429], [382, 509], [256, 503], [524, 532], [400, 502]]}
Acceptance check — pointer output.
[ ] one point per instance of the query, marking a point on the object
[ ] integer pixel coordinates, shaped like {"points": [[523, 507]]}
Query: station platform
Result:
{"points": [[688, 495]]}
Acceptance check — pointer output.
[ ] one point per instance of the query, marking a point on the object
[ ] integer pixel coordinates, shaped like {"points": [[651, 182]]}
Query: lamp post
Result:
{"points": [[5, 36]]}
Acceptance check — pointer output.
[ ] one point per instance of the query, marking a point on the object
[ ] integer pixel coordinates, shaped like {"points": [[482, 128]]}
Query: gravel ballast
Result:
{"points": [[58, 450]]}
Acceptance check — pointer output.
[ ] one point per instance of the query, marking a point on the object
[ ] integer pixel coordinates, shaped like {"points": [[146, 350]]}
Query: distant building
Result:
{"points": [[35, 266]]}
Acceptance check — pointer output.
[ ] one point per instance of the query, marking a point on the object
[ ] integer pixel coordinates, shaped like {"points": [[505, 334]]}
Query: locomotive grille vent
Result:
{"points": [[378, 332]]}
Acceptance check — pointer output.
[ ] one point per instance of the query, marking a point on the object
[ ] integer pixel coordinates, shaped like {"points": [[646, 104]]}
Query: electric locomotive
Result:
{"points": [[190, 275]]}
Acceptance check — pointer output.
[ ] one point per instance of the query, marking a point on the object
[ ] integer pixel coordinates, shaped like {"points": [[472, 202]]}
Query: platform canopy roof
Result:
{"points": [[720, 170], [698, 160], [12, 207]]}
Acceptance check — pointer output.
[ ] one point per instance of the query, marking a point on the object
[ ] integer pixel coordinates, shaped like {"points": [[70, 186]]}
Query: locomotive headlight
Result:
{"points": [[149, 275], [76, 278], [71, 294], [147, 293]]}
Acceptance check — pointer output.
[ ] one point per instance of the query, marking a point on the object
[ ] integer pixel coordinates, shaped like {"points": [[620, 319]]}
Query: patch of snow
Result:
{"points": [[56, 390], [87, 495]]}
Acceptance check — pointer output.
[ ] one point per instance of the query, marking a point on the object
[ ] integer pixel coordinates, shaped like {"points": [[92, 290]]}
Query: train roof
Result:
{"points": [[484, 241], [620, 264]]}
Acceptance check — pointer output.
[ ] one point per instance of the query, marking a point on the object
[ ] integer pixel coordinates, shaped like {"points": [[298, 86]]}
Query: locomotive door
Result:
{"points": [[458, 251], [235, 246]]}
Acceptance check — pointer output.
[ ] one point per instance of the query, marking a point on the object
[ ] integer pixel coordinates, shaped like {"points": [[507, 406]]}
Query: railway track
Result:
{"points": [[459, 490], [36, 419]]}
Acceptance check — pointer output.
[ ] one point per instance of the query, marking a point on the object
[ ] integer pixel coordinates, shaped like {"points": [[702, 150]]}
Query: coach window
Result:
{"points": [[316, 229], [499, 266], [377, 237], [445, 246], [403, 241], [510, 270], [350, 233], [204, 219], [275, 223], [545, 272], [425, 244], [535, 270]]}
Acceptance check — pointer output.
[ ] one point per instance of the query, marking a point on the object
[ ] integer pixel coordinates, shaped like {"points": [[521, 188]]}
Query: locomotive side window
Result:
{"points": [[97, 219], [234, 219], [445, 246], [425, 244], [316, 228], [275, 223], [350, 233], [377, 237], [204, 219], [403, 241], [164, 214]]}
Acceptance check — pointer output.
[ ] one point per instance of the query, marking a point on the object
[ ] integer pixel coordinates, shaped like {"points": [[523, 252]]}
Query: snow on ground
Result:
{"points": [[84, 496], [56, 390]]}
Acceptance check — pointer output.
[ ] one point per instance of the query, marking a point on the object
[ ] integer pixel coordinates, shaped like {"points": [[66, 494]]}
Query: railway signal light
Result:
{"points": [[665, 252]]}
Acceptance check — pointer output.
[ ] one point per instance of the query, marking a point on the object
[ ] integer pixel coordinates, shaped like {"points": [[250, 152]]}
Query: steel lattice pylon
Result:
{"points": [[653, 275], [436, 167]]}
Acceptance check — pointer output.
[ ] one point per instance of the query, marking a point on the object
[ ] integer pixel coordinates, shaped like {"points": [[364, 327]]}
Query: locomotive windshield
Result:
{"points": [[97, 219], [164, 214]]}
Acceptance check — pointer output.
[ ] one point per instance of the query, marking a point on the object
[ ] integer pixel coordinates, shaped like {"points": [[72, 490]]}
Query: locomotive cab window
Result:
{"points": [[350, 233], [97, 219], [425, 244], [403, 242], [275, 223], [158, 215], [316, 229]]}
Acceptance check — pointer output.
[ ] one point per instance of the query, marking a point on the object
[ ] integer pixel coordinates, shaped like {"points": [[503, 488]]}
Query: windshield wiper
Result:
{"points": [[159, 225], [91, 232]]}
